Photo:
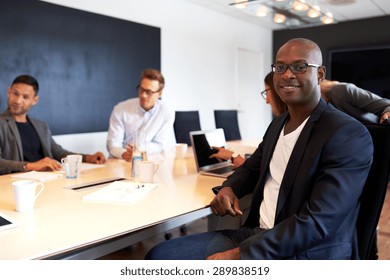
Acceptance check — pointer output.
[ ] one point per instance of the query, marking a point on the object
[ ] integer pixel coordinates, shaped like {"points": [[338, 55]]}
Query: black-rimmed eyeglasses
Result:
{"points": [[296, 68], [264, 93], [148, 92]]}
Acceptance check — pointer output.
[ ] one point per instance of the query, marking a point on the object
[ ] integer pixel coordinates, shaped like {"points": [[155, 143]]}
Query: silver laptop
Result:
{"points": [[202, 143]]}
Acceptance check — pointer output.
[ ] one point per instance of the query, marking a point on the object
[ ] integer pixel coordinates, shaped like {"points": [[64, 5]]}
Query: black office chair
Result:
{"points": [[186, 121], [227, 119], [374, 191]]}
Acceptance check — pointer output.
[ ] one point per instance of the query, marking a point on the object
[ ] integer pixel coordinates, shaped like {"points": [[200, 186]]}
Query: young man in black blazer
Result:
{"points": [[306, 177]]}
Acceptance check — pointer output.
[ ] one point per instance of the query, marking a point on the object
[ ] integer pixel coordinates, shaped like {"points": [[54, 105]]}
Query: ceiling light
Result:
{"points": [[240, 4], [262, 11], [279, 18], [300, 5], [290, 13], [314, 11], [327, 18]]}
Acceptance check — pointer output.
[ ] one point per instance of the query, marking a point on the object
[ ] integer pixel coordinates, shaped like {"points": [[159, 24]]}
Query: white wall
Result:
{"points": [[199, 50], [85, 143]]}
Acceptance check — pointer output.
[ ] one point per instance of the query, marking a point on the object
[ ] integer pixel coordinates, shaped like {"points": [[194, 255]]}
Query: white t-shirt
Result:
{"points": [[277, 167]]}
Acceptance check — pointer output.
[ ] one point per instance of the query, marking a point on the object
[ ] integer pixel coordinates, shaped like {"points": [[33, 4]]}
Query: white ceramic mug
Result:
{"points": [[147, 169], [25, 194], [72, 165], [181, 150]]}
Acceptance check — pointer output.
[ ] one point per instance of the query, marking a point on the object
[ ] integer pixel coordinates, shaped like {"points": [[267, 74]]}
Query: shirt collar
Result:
{"points": [[151, 111]]}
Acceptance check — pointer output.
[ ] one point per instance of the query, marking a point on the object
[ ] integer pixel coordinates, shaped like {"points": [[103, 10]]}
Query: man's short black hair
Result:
{"points": [[28, 80]]}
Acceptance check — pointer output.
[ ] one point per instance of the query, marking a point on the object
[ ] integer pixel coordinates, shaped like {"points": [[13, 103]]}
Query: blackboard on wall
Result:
{"points": [[367, 68], [85, 63]]}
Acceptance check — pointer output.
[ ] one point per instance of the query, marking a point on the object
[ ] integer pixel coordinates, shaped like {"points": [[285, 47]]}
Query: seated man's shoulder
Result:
{"points": [[127, 103], [4, 116], [334, 118], [333, 113]]}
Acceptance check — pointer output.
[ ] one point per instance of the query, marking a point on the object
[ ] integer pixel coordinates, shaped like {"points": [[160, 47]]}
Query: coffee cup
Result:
{"points": [[181, 150], [72, 165], [147, 169], [25, 194]]}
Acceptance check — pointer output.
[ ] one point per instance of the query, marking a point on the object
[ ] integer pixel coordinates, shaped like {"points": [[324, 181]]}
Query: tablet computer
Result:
{"points": [[7, 222]]}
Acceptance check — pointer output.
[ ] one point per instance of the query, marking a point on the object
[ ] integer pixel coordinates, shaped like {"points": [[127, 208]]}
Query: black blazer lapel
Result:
{"points": [[271, 136]]}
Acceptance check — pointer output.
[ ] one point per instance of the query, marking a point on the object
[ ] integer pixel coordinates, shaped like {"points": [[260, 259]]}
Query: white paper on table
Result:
{"points": [[37, 176], [120, 192], [87, 166]]}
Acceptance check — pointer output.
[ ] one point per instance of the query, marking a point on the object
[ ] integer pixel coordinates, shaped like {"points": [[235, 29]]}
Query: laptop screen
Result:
{"points": [[203, 143]]}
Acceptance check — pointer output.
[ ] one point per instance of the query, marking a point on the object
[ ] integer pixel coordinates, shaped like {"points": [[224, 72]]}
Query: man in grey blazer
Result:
{"points": [[306, 177], [26, 144], [359, 103]]}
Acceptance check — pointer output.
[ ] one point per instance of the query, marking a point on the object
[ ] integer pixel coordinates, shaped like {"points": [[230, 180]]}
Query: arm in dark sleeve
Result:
{"points": [[366, 100], [245, 177]]}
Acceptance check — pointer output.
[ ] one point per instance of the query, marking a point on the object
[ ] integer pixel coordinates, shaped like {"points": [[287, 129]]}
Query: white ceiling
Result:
{"points": [[343, 10]]}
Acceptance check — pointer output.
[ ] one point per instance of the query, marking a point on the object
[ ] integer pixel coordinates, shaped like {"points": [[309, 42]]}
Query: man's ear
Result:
{"points": [[35, 100], [321, 74]]}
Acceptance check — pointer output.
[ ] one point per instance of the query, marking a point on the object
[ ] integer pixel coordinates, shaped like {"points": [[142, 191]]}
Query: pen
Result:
{"points": [[96, 183]]}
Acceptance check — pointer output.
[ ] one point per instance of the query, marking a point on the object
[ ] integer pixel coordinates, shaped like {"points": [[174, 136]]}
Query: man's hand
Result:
{"points": [[128, 154], [222, 153], [233, 254], [45, 164], [97, 158], [384, 117], [226, 202]]}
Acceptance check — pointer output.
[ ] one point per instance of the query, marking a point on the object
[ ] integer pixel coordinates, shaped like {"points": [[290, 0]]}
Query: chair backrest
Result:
{"points": [[185, 122], [227, 119], [374, 191]]}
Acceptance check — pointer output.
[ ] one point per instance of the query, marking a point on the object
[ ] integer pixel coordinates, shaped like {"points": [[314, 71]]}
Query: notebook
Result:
{"points": [[202, 142], [37, 176], [120, 192]]}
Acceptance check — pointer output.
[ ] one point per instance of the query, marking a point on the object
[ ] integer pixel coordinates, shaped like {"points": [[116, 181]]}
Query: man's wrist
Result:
{"points": [[233, 157]]}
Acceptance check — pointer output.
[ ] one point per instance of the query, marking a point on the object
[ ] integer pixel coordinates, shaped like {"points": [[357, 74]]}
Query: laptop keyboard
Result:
{"points": [[222, 170]]}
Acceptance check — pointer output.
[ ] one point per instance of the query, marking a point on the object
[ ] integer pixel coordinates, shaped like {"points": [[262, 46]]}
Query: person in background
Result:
{"points": [[278, 107], [26, 143], [307, 176], [148, 114], [270, 96], [359, 103]]}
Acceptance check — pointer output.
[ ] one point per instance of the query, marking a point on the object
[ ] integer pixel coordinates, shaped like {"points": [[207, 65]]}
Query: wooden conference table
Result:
{"points": [[63, 226]]}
